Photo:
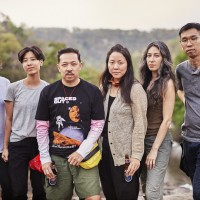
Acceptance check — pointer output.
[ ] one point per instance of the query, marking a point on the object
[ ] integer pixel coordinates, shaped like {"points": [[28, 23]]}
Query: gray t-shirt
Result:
{"points": [[25, 105], [188, 78], [3, 88]]}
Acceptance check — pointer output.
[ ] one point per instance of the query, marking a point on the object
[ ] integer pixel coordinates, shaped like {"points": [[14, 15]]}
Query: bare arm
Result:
{"points": [[181, 95], [168, 107], [9, 114]]}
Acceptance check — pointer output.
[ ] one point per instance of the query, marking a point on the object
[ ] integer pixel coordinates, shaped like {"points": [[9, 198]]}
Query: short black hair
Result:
{"points": [[68, 50], [189, 26], [34, 49]]}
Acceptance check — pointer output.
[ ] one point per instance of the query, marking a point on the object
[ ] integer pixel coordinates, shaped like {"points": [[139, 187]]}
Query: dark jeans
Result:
{"points": [[192, 154], [112, 178], [20, 153], [4, 180]]}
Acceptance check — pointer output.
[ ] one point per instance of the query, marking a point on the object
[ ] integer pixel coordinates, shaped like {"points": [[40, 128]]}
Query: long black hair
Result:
{"points": [[165, 72], [126, 81]]}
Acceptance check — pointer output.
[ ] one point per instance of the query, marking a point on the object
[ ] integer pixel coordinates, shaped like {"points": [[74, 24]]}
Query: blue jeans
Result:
{"points": [[192, 155]]}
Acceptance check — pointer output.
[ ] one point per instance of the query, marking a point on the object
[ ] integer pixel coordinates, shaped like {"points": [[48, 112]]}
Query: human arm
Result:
{"points": [[86, 146], [96, 127], [9, 113], [181, 95], [168, 107], [139, 110], [43, 146], [180, 91]]}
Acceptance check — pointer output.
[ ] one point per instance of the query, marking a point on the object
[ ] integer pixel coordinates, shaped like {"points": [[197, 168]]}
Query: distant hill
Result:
{"points": [[94, 44]]}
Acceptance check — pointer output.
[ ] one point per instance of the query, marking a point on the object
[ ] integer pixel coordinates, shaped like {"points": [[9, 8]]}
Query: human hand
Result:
{"points": [[151, 158], [133, 167], [75, 159], [46, 167], [5, 154]]}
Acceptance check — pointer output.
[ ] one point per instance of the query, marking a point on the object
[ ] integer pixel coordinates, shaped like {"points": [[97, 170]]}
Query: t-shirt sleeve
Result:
{"points": [[10, 93], [178, 76], [42, 112], [97, 106]]}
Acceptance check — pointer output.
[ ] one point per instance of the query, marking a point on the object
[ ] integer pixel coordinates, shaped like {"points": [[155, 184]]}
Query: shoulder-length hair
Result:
{"points": [[126, 81], [165, 72]]}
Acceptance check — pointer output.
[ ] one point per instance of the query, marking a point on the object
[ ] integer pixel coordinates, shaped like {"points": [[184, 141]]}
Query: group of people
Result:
{"points": [[129, 118]]}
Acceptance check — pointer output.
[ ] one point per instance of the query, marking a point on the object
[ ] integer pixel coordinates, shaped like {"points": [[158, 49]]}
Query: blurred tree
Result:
{"points": [[49, 70], [10, 65], [179, 106], [90, 74]]}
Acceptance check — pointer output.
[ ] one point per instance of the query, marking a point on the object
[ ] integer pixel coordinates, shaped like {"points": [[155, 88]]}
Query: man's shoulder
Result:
{"points": [[88, 85], [51, 86], [182, 65]]}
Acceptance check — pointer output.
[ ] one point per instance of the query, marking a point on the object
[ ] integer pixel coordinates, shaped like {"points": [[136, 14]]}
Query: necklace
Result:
{"points": [[70, 93]]}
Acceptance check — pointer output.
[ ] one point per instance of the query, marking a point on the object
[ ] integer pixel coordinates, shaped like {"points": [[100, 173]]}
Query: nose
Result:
{"points": [[189, 43], [29, 62], [69, 67], [151, 58], [116, 66]]}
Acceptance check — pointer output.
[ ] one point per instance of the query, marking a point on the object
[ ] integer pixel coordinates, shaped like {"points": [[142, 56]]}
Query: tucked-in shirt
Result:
{"points": [[25, 105], [154, 116]]}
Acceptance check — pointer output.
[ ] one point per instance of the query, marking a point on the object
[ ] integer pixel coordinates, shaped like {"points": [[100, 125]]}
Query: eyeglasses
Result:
{"points": [[193, 40]]}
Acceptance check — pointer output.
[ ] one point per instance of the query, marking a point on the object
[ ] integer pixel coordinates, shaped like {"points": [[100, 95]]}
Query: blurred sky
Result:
{"points": [[93, 14]]}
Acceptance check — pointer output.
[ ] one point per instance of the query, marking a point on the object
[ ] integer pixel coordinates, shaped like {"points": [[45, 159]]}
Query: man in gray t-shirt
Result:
{"points": [[188, 76]]}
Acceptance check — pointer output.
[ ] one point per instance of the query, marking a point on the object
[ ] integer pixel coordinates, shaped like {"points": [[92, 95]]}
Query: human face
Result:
{"points": [[154, 59], [69, 68], [117, 65], [190, 42], [31, 64]]}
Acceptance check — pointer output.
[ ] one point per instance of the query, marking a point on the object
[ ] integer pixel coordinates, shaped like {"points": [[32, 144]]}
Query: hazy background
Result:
{"points": [[95, 14]]}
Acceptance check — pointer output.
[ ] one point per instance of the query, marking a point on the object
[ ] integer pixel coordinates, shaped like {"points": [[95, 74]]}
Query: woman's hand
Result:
{"points": [[5, 155], [133, 167], [151, 158]]}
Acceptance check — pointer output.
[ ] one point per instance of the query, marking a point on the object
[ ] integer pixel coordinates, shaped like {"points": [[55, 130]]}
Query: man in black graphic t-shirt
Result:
{"points": [[70, 119]]}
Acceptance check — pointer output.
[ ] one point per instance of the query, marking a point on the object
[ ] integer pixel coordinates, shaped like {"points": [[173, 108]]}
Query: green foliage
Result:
{"points": [[179, 108], [91, 75], [49, 70]]}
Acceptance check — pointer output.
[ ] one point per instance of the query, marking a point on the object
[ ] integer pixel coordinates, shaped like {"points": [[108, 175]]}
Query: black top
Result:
{"points": [[69, 111], [105, 129]]}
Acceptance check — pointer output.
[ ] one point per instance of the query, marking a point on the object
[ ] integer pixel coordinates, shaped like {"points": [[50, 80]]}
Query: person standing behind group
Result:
{"points": [[125, 106], [70, 119], [158, 80], [20, 143], [188, 76], [4, 175]]}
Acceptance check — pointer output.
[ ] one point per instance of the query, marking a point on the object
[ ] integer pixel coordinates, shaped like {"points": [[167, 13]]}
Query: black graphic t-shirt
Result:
{"points": [[69, 111]]}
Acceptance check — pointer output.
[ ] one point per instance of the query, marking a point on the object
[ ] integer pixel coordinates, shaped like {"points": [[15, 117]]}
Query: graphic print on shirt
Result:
{"points": [[70, 133]]}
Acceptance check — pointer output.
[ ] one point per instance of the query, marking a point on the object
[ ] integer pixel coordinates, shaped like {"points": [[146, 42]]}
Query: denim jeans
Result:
{"points": [[192, 155], [152, 180]]}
